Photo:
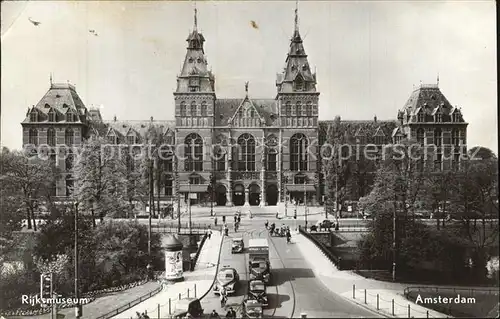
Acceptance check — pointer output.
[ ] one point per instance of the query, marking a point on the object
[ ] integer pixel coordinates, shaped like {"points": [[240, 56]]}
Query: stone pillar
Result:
{"points": [[247, 191], [313, 200], [262, 188], [229, 161]]}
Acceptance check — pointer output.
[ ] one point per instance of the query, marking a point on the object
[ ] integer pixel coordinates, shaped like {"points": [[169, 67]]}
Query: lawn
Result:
{"points": [[483, 305]]}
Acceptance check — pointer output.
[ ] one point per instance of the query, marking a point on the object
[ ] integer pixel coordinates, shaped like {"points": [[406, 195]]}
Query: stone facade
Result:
{"points": [[255, 151]]}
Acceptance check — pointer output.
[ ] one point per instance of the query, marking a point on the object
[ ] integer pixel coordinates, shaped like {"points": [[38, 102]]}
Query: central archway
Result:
{"points": [[239, 195], [220, 195], [254, 195], [272, 194]]}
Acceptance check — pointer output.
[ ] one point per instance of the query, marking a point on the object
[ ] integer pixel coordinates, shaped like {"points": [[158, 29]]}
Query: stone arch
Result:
{"points": [[254, 194], [272, 194], [220, 194], [238, 194]]}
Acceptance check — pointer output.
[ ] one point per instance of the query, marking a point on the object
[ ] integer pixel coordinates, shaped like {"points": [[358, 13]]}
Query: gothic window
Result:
{"points": [[438, 117], [169, 185], [420, 117], [288, 108], [456, 161], [220, 159], [246, 160], [455, 138], [438, 137], [438, 161], [298, 152], [183, 108], [271, 160], [420, 136], [130, 139], [33, 137], [69, 137], [193, 153], [379, 140], [69, 185], [309, 108], [169, 139], [69, 161], [299, 83], [52, 116], [204, 108], [33, 116], [112, 139], [193, 108], [298, 110], [69, 116], [51, 137]]}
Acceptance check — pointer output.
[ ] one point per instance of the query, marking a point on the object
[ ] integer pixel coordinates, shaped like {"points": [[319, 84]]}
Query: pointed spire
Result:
{"points": [[438, 79], [195, 17], [297, 15], [50, 78], [246, 88]]}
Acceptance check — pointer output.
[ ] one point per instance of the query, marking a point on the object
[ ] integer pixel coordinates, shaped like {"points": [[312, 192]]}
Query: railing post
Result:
{"points": [[393, 307], [170, 306], [179, 296], [195, 290], [378, 308], [427, 313], [188, 292], [159, 311], [365, 296], [409, 311], [353, 291]]}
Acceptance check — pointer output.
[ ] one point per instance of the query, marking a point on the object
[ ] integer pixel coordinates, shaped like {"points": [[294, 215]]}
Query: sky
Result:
{"points": [[369, 55]]}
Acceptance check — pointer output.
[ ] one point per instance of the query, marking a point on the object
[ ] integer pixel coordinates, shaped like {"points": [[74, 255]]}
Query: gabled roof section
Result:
{"points": [[246, 105], [62, 97], [360, 132], [226, 108], [397, 132], [139, 127], [379, 132]]}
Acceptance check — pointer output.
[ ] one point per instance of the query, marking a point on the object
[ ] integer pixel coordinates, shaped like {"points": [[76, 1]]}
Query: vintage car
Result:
{"points": [[227, 278], [252, 309], [188, 305], [238, 245], [257, 291], [325, 224]]}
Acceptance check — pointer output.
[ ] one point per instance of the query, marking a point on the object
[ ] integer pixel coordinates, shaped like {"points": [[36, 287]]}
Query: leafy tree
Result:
{"points": [[100, 174], [25, 179]]}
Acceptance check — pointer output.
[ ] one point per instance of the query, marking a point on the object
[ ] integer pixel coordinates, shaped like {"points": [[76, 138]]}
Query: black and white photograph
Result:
{"points": [[249, 159]]}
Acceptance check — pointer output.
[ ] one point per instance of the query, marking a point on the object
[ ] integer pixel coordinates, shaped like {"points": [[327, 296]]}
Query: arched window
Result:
{"points": [[33, 137], [193, 153], [420, 136], [193, 108], [69, 185], [438, 117], [438, 137], [33, 116], [52, 116], [271, 160], [309, 108], [298, 110], [299, 83], [169, 185], [288, 108], [70, 117], [69, 161], [204, 108], [246, 160], [298, 152], [183, 108], [420, 117], [51, 137], [455, 138], [69, 137]]}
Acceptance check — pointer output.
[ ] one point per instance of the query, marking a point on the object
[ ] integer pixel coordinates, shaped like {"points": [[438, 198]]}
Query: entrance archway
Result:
{"points": [[220, 195], [272, 195], [254, 195], [239, 195]]}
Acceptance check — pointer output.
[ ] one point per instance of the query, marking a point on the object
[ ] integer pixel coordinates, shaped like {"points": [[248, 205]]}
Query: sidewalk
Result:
{"points": [[342, 283], [195, 284]]}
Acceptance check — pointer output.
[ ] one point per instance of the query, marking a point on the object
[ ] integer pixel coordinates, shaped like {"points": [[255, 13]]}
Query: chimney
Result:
{"points": [[375, 118], [114, 118], [151, 119]]}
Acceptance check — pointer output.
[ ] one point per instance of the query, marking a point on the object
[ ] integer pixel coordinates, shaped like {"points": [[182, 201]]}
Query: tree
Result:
{"points": [[25, 179], [137, 177], [100, 174]]}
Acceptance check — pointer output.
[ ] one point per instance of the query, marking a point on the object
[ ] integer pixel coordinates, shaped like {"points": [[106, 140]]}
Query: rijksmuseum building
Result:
{"points": [[267, 150]]}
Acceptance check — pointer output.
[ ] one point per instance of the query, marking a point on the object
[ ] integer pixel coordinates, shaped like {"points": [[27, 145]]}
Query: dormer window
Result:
{"points": [[52, 116], [70, 117], [299, 84], [456, 117], [304, 67], [191, 60], [438, 117], [47, 105], [420, 117], [288, 108], [294, 67], [130, 139], [199, 60], [33, 116], [65, 105]]}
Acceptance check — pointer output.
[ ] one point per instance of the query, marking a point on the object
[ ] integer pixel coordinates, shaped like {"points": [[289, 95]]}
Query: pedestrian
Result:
{"points": [[214, 315], [223, 297], [267, 224], [139, 316], [226, 230], [229, 314], [209, 234], [145, 316], [277, 215], [223, 218], [215, 220], [239, 219], [235, 218], [233, 313]]}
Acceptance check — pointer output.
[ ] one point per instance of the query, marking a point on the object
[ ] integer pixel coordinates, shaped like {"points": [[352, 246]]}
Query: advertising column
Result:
{"points": [[173, 259]]}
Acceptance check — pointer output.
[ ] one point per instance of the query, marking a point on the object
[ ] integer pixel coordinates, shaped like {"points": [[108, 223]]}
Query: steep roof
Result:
{"points": [[225, 109], [428, 98], [62, 97], [139, 127], [347, 129]]}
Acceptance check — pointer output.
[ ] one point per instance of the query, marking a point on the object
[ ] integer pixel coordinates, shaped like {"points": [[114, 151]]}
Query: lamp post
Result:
{"points": [[77, 309], [337, 196], [189, 203], [151, 202], [394, 242], [285, 179], [305, 203], [212, 191]]}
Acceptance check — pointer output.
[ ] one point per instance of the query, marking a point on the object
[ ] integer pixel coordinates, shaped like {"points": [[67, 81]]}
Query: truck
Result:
{"points": [[259, 265]]}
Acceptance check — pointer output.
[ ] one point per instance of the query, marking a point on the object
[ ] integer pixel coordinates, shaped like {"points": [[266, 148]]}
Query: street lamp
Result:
{"points": [[189, 203], [305, 203], [151, 202], [78, 307], [394, 242]]}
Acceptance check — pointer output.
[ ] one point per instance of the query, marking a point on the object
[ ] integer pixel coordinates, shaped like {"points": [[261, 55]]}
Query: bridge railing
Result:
{"points": [[334, 259], [196, 228]]}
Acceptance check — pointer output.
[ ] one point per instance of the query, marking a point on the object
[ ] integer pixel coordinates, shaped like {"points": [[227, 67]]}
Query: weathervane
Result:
{"points": [[297, 15], [195, 17]]}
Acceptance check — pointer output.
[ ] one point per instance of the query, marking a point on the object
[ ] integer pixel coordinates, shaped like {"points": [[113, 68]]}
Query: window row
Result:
{"points": [[298, 109], [33, 138], [52, 116], [438, 118], [457, 137], [193, 109], [132, 139]]}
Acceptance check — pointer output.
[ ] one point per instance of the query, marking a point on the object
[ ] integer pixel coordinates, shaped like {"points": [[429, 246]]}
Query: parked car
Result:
{"points": [[188, 305], [227, 278], [238, 245], [325, 224], [257, 291], [252, 309]]}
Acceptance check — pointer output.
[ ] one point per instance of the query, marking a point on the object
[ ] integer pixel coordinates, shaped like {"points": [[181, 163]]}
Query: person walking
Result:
{"points": [[239, 219], [209, 233], [223, 297], [226, 230], [233, 313], [215, 221], [214, 315]]}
